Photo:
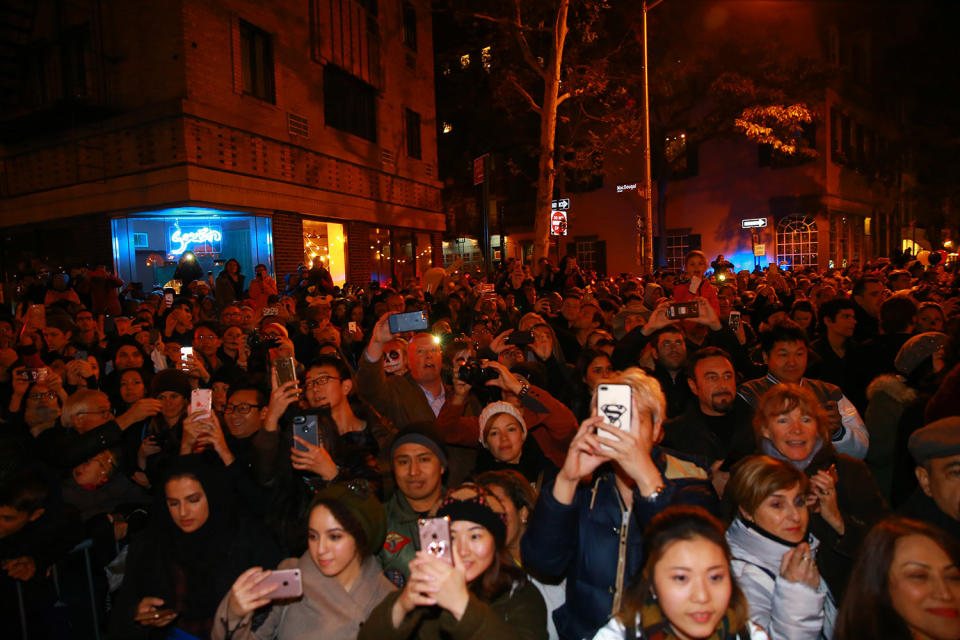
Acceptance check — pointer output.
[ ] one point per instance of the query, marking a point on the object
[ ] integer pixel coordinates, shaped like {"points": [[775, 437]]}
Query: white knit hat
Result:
{"points": [[494, 409]]}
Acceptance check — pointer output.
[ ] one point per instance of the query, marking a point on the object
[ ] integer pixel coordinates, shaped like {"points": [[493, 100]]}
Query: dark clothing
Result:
{"points": [[228, 289], [708, 437], [676, 389], [837, 371], [867, 326], [585, 540], [921, 507], [533, 464], [64, 448]]}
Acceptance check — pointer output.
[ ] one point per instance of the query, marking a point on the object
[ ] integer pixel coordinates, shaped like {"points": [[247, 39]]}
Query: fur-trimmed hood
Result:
{"points": [[894, 386]]}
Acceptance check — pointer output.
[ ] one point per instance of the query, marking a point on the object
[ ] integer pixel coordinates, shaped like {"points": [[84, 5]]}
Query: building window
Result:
{"points": [[678, 244], [349, 103], [797, 241], [591, 254], [256, 58], [325, 240], [413, 134], [410, 26], [381, 256]]}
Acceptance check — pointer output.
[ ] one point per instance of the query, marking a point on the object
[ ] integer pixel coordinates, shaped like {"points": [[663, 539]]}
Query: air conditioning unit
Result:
{"points": [[298, 125], [387, 158]]}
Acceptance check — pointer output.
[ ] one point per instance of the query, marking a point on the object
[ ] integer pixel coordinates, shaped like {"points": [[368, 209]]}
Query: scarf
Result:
{"points": [[655, 626], [768, 449]]}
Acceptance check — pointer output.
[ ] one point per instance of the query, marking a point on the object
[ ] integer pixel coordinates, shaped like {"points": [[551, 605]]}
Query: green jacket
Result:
{"points": [[402, 541], [520, 615]]}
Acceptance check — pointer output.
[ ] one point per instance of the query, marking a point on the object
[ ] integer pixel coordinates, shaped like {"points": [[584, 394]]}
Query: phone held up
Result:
{"points": [[286, 370], [289, 581], [307, 428], [201, 400], [734, 320], [403, 322], [435, 538], [615, 404], [683, 310]]}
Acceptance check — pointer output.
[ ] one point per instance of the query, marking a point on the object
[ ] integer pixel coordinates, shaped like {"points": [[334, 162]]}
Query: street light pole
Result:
{"points": [[646, 245]]}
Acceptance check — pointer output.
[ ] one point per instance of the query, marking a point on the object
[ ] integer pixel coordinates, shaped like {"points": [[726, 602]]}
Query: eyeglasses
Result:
{"points": [[243, 408], [101, 412], [39, 395], [393, 355], [319, 381], [205, 338]]}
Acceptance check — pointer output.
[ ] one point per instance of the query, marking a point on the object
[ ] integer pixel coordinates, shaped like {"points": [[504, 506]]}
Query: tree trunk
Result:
{"points": [[548, 135]]}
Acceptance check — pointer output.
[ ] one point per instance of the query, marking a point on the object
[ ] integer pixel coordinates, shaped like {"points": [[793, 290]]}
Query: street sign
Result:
{"points": [[759, 250], [626, 187], [558, 223], [478, 176], [563, 204], [753, 223]]}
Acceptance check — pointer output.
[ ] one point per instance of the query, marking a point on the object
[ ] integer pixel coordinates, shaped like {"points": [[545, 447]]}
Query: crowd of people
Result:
{"points": [[174, 462]]}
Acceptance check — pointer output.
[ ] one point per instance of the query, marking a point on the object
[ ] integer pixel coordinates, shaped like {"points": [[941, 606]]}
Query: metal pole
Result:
{"points": [[647, 174]]}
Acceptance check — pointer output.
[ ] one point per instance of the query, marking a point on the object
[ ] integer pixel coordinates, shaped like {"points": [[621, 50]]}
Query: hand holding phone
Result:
{"points": [[404, 322], [306, 427], [201, 400], [288, 581], [615, 404]]}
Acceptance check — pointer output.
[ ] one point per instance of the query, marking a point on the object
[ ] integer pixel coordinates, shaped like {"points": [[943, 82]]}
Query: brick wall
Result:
{"points": [[287, 243], [64, 242], [436, 243], [358, 253]]}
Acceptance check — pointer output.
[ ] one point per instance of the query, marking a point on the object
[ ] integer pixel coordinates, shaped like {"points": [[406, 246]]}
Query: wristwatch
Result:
{"points": [[653, 497]]}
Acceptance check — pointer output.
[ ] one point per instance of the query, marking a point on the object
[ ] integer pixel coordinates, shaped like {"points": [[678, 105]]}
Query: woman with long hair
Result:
{"points": [[686, 589], [483, 594], [905, 585], [342, 581]]}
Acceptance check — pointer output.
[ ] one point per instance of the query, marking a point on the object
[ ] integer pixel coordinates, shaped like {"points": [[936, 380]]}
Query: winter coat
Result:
{"points": [[517, 615], [787, 610], [597, 545], [227, 290], [889, 401], [325, 610]]}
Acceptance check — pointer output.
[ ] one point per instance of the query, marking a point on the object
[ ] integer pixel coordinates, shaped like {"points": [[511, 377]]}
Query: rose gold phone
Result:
{"points": [[435, 537], [289, 581]]}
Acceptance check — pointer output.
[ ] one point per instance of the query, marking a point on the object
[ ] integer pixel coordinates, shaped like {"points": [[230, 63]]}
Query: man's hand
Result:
{"points": [[22, 568], [140, 410], [280, 399], [506, 380], [658, 319], [379, 337], [707, 315], [315, 459]]}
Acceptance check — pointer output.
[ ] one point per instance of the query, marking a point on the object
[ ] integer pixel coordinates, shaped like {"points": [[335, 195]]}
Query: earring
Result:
{"points": [[653, 594]]}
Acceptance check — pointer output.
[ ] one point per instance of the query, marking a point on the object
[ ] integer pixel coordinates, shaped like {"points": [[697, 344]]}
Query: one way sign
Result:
{"points": [[563, 204]]}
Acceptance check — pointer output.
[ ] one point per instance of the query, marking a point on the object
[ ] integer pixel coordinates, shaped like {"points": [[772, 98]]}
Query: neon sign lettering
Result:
{"points": [[202, 235]]}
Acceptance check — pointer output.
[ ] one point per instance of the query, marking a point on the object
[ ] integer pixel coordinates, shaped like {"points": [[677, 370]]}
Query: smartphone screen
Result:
{"points": [[734, 320], [306, 427], [403, 322], [695, 284], [434, 536], [184, 352]]}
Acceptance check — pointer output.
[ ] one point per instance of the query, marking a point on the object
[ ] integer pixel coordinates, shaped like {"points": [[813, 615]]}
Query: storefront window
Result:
{"points": [[405, 264], [149, 246], [380, 256], [465, 249], [325, 240], [424, 253]]}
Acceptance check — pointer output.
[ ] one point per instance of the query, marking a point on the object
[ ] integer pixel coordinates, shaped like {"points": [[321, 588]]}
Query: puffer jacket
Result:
{"points": [[787, 610], [597, 545]]}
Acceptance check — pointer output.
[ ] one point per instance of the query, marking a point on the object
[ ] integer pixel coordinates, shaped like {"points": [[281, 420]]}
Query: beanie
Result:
{"points": [[358, 499], [493, 410]]}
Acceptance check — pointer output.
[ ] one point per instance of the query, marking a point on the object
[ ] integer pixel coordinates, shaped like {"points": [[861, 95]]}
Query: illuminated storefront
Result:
{"points": [[326, 241], [148, 246]]}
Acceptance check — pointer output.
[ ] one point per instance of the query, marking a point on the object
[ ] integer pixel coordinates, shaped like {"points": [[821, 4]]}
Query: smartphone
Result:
{"points": [[352, 326], [615, 403], [35, 375], [109, 324], [435, 537], [286, 370], [520, 338], [168, 300], [682, 310], [306, 427], [734, 320], [403, 322], [201, 400], [695, 285], [184, 352], [290, 584], [80, 354], [269, 311]]}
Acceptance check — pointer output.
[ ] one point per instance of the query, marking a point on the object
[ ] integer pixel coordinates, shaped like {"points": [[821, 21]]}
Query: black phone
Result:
{"points": [[305, 427], [520, 338], [403, 322], [109, 324], [682, 310], [80, 354]]}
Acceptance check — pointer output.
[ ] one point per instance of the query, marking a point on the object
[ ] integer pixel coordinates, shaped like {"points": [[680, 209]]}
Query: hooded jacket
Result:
{"points": [[787, 610]]}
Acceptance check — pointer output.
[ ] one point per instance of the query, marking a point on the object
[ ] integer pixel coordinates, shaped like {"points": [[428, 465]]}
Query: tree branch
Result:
{"points": [[563, 98], [523, 92]]}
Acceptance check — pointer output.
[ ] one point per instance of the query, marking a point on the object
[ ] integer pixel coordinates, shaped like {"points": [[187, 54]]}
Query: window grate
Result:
{"points": [[298, 125]]}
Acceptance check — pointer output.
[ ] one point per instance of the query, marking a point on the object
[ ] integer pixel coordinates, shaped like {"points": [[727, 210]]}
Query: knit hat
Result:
{"points": [[358, 499], [917, 349], [171, 380], [477, 509], [938, 439], [425, 434], [493, 410], [279, 327]]}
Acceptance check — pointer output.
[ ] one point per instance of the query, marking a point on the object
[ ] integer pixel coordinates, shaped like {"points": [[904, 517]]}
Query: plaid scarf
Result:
{"points": [[655, 626]]}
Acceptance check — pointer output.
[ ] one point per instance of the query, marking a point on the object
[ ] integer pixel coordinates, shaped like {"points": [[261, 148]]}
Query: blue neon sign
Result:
{"points": [[203, 240]]}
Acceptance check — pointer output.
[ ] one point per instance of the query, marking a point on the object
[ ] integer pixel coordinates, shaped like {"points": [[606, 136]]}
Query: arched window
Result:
{"points": [[797, 241]]}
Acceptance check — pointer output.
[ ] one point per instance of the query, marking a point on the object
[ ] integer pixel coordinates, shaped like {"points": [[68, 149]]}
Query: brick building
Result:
{"points": [[275, 132]]}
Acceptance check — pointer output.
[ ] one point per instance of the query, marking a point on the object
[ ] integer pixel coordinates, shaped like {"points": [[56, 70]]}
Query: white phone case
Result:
{"points": [[615, 403]]}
